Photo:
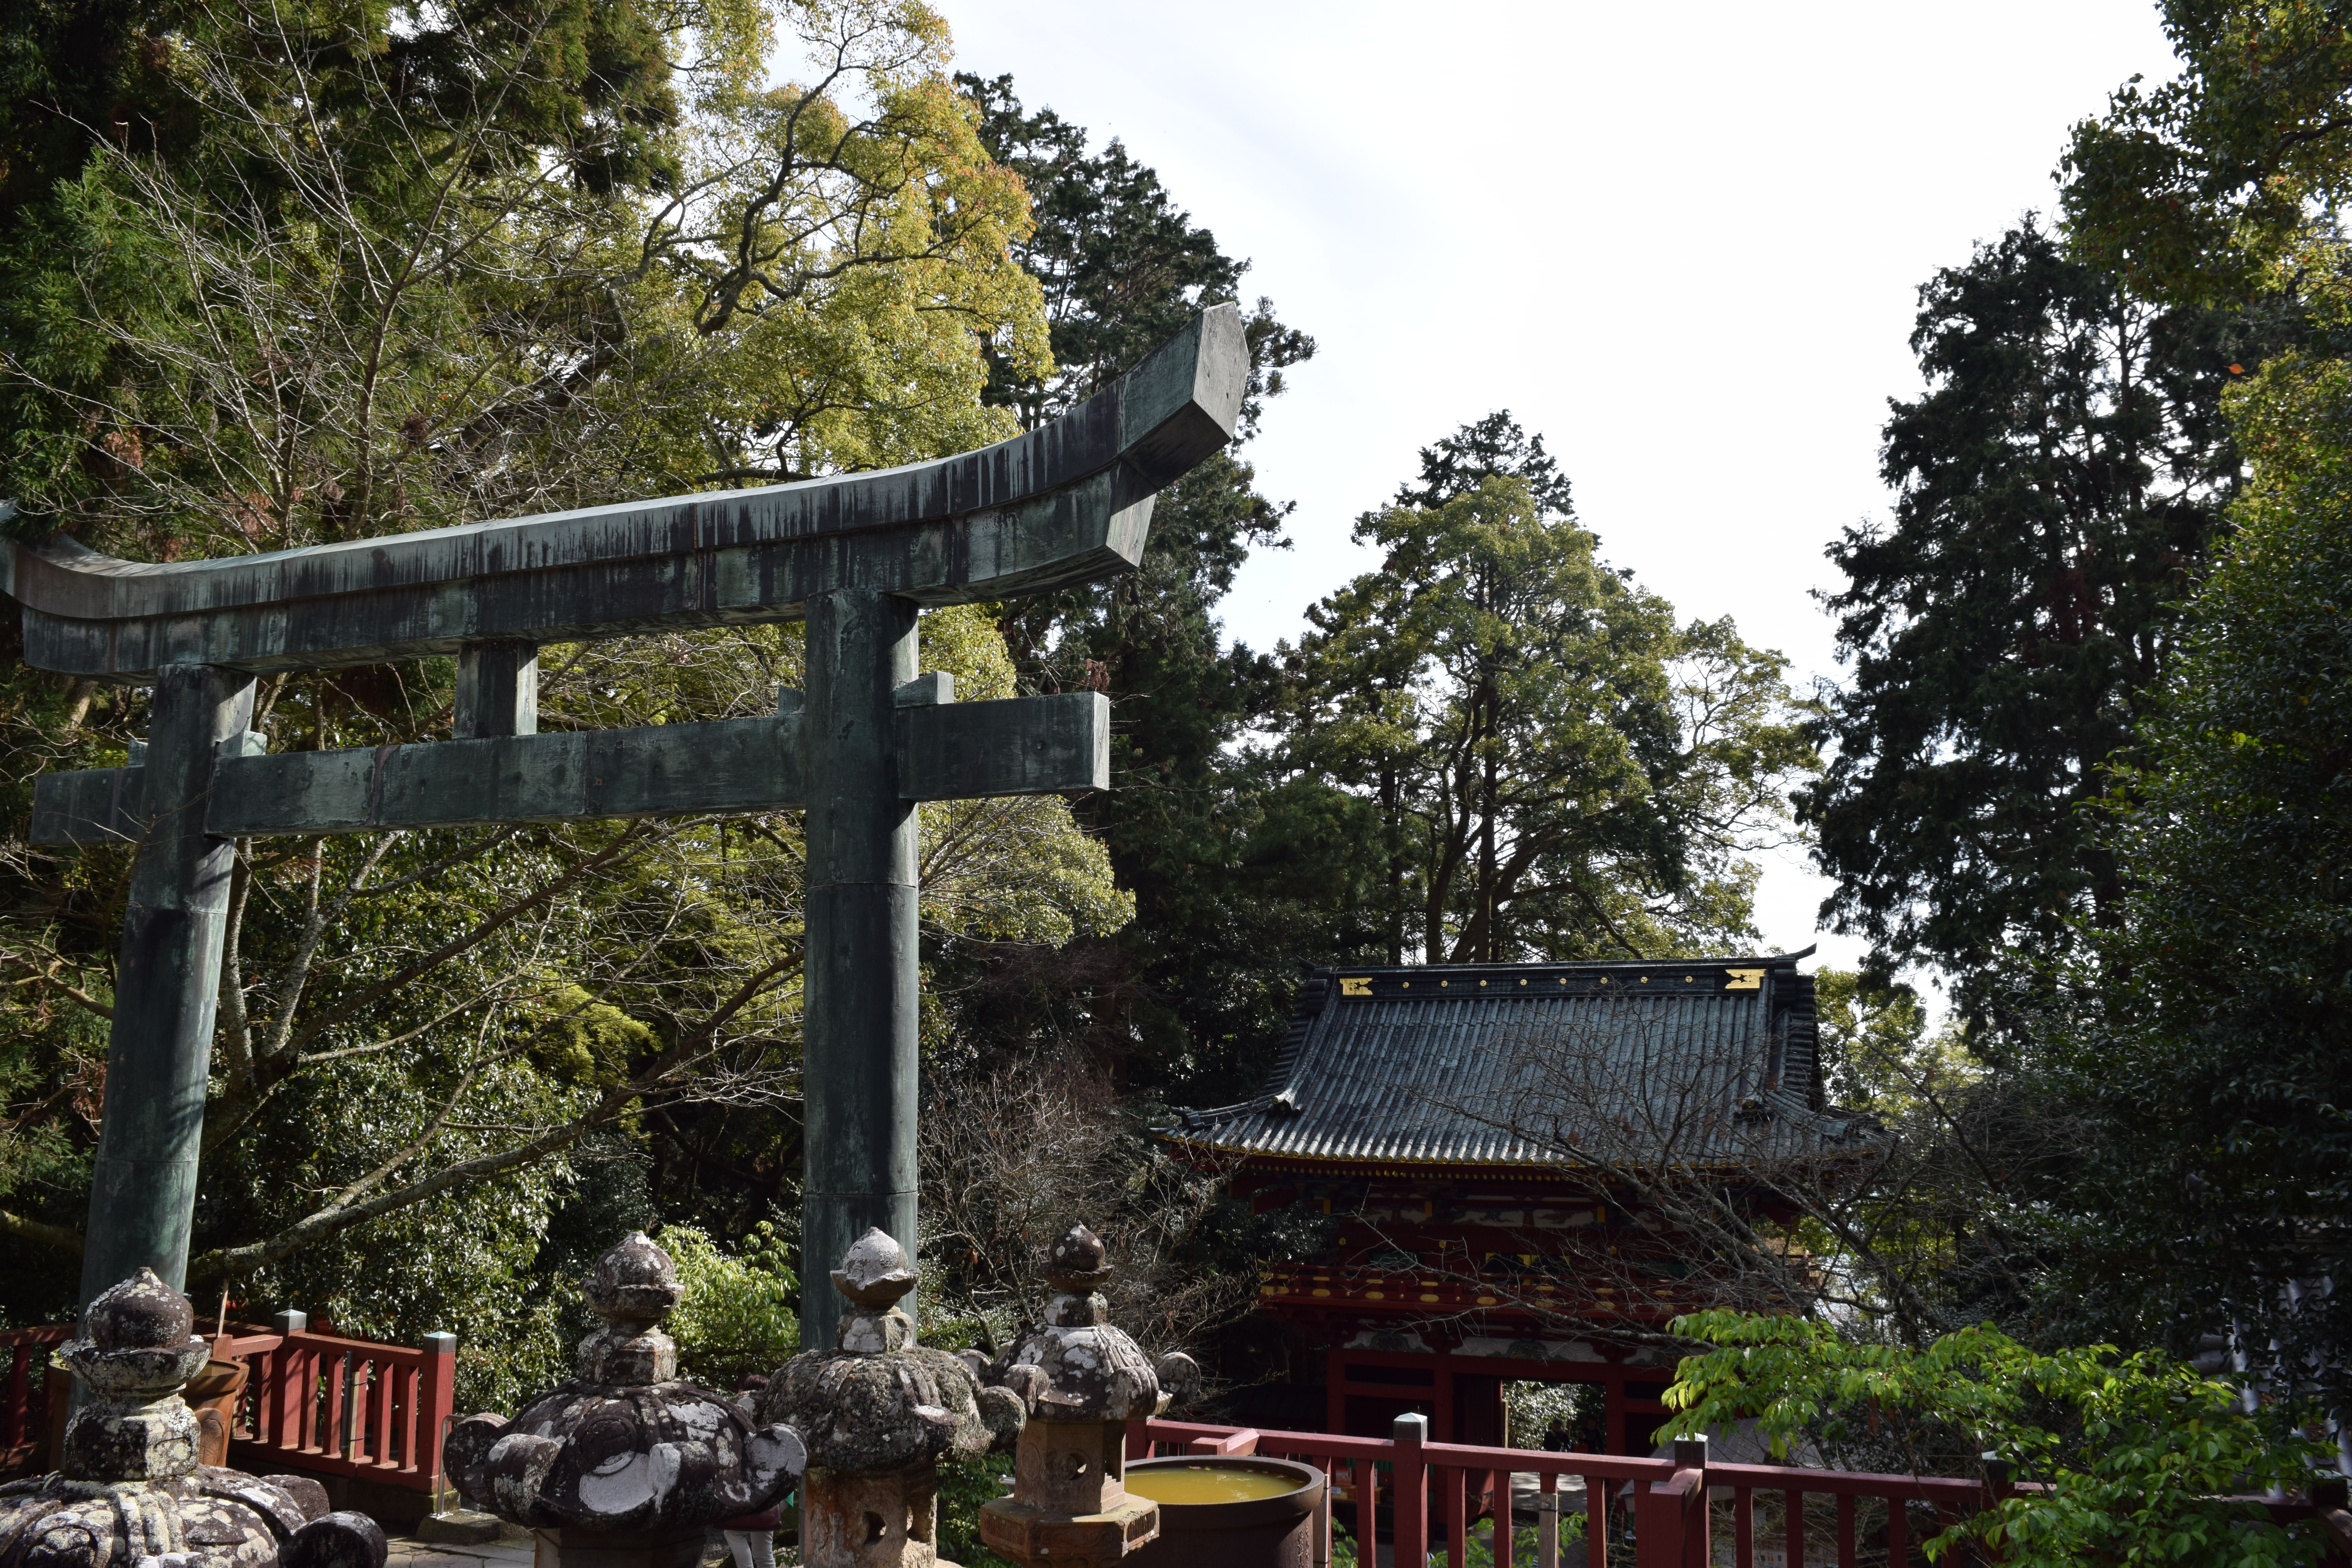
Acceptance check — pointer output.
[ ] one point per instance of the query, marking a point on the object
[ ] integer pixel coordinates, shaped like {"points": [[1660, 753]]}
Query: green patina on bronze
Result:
{"points": [[856, 557]]}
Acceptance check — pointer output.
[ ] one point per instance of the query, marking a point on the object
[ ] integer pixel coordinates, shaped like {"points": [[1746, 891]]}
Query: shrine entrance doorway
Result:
{"points": [[1463, 1394]]}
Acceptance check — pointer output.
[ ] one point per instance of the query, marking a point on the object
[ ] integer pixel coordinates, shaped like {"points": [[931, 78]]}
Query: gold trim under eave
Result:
{"points": [[1400, 1165], [1408, 1165]]}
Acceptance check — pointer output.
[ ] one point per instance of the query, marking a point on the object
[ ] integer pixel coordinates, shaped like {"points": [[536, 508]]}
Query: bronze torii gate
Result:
{"points": [[856, 556]]}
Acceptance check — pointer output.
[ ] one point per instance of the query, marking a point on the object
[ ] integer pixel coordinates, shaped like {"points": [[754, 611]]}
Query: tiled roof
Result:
{"points": [[1706, 1063]]}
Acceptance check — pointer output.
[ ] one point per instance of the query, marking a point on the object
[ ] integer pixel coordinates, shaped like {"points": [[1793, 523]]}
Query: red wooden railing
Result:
{"points": [[314, 1402], [1665, 1502], [329, 1405], [25, 1415]]}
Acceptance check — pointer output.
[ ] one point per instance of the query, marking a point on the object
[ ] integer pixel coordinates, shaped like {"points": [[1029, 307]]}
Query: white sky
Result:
{"points": [[1681, 242]]}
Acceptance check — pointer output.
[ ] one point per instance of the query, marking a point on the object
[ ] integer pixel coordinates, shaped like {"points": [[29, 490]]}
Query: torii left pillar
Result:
{"points": [[166, 988]]}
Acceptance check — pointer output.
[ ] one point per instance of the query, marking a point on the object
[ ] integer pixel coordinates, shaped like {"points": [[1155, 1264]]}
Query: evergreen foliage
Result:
{"points": [[1552, 768], [1200, 982], [2059, 484], [2206, 1033]]}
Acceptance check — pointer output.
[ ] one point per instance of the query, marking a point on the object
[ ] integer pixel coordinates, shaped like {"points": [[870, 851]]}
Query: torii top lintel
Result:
{"points": [[1067, 503]]}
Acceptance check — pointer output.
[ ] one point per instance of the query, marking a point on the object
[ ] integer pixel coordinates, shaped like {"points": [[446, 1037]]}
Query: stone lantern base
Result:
{"points": [[1032, 1535], [1073, 1507], [573, 1547], [869, 1518]]}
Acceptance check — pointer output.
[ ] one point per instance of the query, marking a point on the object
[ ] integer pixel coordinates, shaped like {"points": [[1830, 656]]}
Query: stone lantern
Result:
{"points": [[130, 1488], [879, 1412], [1081, 1381], [623, 1466]]}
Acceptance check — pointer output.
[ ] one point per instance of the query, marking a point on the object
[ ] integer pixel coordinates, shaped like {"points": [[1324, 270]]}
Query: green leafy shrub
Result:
{"points": [[965, 1483], [2121, 1459], [741, 1313]]}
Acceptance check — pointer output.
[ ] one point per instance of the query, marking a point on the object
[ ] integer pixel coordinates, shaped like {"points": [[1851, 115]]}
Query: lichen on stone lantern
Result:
{"points": [[625, 1462], [130, 1488], [879, 1412], [1080, 1379]]}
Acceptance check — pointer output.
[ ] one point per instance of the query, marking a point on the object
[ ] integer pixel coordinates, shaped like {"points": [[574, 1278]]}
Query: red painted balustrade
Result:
{"points": [[314, 1403], [25, 1416], [1678, 1512], [328, 1406]]}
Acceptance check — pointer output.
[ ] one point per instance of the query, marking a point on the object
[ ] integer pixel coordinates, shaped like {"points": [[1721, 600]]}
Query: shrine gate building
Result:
{"points": [[1492, 1142]]}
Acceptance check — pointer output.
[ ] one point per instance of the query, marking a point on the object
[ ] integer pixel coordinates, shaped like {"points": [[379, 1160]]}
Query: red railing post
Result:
{"points": [[1670, 1516], [1498, 1518], [1698, 1544], [336, 1370], [437, 1400], [20, 1393], [1453, 1493], [384, 1376], [289, 1415], [1322, 1549], [1596, 1521], [1409, 1485]]}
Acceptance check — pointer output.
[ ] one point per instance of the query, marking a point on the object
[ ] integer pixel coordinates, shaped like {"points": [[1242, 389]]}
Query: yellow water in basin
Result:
{"points": [[1205, 1483]]}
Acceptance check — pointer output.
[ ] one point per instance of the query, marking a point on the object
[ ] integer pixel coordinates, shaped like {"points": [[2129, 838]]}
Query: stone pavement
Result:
{"points": [[513, 1551]]}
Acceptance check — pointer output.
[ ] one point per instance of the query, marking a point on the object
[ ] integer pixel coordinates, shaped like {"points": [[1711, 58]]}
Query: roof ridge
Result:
{"points": [[1377, 1067], [1768, 959]]}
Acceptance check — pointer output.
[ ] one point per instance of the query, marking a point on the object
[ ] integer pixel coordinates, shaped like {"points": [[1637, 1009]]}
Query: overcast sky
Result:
{"points": [[1682, 242]]}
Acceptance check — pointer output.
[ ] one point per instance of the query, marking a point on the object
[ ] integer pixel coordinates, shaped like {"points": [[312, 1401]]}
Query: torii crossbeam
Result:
{"points": [[856, 556]]}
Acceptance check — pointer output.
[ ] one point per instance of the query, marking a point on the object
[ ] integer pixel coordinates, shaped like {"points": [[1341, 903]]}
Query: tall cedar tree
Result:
{"points": [[2202, 1038], [2061, 480], [1203, 975], [1547, 765], [1493, 448]]}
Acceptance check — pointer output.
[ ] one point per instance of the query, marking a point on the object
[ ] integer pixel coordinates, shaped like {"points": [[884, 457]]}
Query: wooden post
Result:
{"points": [[1410, 1481], [437, 1400], [1453, 1496], [289, 1423], [1548, 1520], [1499, 1520], [1698, 1515], [860, 983], [20, 1394], [1596, 1522], [1323, 1517], [142, 1189], [1670, 1517]]}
